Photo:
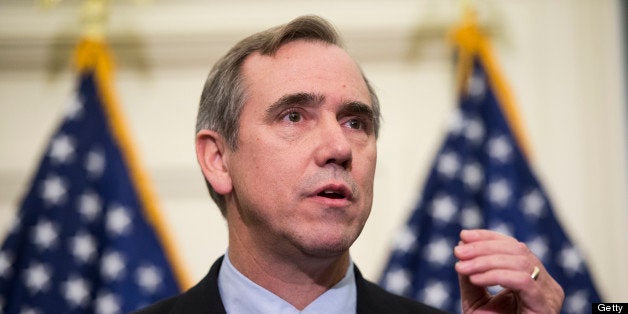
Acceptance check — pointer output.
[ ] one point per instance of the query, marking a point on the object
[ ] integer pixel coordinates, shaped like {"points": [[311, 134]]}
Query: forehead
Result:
{"points": [[304, 66]]}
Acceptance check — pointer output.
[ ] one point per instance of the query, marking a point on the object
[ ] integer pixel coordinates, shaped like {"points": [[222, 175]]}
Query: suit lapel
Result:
{"points": [[204, 297]]}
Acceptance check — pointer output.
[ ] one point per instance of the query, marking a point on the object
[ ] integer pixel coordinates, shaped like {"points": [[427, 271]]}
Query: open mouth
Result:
{"points": [[332, 194]]}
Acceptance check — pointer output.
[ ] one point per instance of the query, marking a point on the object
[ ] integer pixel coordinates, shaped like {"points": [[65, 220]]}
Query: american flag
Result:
{"points": [[81, 242], [481, 179]]}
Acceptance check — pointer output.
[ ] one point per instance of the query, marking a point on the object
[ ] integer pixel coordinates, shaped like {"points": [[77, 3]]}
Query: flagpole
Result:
{"points": [[92, 53], [470, 40]]}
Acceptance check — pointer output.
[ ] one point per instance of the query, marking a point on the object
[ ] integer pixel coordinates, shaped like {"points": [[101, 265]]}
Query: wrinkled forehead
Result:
{"points": [[304, 66]]}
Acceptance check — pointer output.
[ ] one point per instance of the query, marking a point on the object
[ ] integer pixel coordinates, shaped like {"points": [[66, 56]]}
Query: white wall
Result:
{"points": [[562, 59]]}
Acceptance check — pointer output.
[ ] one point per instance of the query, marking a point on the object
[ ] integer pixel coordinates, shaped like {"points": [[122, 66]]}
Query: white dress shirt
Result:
{"points": [[241, 295]]}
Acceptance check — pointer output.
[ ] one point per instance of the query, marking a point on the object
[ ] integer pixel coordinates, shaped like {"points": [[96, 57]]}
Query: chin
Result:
{"points": [[325, 252], [327, 246]]}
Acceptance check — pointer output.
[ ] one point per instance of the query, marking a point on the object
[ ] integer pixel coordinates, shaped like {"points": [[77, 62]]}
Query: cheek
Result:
{"points": [[369, 176], [368, 163], [265, 169], [364, 173]]}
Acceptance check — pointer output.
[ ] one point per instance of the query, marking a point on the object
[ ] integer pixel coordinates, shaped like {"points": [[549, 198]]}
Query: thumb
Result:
{"points": [[472, 296]]}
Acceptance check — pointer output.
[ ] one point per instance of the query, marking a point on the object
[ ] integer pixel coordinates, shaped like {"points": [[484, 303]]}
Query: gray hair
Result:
{"points": [[223, 96]]}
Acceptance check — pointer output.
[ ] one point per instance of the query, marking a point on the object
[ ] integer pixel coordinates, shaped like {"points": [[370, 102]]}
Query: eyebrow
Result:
{"points": [[311, 100], [358, 108], [289, 100]]}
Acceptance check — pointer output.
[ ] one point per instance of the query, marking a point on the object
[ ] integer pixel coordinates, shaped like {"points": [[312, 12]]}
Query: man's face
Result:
{"points": [[303, 170]]}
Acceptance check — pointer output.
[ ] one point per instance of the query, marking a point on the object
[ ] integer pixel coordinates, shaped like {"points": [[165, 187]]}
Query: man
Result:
{"points": [[286, 140]]}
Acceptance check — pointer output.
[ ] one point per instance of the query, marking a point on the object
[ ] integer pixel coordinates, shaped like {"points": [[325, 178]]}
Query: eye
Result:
{"points": [[356, 124], [293, 116]]}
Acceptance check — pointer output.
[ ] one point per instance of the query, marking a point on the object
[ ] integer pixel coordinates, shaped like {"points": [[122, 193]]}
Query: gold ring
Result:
{"points": [[535, 273]]}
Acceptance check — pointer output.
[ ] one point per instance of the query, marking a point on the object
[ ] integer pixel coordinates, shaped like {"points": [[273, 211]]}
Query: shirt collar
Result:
{"points": [[241, 295]]}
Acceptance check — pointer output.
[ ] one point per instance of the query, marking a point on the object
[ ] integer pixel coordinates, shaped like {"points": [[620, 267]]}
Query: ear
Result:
{"points": [[210, 153]]}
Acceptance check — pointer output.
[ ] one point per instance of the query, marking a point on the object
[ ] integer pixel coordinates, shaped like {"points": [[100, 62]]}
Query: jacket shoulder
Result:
{"points": [[162, 307], [202, 298]]}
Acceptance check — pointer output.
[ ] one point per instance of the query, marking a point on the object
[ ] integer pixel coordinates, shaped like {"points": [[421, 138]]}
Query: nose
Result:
{"points": [[334, 148]]}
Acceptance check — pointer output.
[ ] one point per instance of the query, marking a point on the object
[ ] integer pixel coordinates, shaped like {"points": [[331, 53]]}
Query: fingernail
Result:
{"points": [[460, 249], [462, 266]]}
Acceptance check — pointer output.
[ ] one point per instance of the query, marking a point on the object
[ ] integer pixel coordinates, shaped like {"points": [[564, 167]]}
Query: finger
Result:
{"points": [[475, 235], [524, 264], [490, 247], [541, 295], [516, 280], [485, 263], [472, 296]]}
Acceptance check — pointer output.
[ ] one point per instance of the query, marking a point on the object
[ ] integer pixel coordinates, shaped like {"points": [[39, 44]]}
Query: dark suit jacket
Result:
{"points": [[205, 298]]}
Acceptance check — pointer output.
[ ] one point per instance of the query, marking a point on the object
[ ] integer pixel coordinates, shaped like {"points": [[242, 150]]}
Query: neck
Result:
{"points": [[296, 277]]}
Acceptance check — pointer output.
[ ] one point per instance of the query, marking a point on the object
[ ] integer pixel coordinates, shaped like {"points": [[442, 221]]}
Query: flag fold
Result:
{"points": [[87, 238], [481, 179]]}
